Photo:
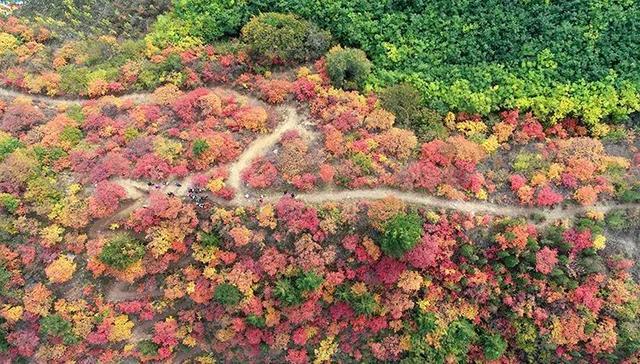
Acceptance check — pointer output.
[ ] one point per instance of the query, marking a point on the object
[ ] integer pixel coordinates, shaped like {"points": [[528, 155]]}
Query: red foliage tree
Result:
{"points": [[424, 255], [548, 197], [423, 174], [297, 216], [185, 106], [274, 91], [20, 117], [546, 260], [304, 89], [304, 182], [260, 174], [517, 181], [151, 166], [437, 152], [586, 195], [388, 270], [334, 141], [326, 173], [105, 199]]}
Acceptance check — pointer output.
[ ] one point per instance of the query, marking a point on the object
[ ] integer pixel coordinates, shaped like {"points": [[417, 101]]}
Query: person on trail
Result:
{"points": [[292, 195], [285, 192]]}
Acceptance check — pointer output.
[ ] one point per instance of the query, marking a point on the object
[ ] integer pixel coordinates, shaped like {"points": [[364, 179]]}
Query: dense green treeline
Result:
{"points": [[556, 58]]}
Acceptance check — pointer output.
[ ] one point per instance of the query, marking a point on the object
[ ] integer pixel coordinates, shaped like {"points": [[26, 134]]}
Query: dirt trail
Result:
{"points": [[474, 207], [293, 122], [119, 292], [55, 101], [138, 191]]}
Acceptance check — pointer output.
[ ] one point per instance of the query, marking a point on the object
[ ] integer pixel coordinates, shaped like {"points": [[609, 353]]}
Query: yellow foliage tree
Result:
{"points": [[37, 299], [120, 329], [61, 269]]}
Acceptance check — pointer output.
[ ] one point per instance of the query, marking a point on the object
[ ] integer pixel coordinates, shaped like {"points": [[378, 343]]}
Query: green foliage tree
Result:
{"points": [[55, 325], [493, 346], [257, 321], [291, 290], [405, 102], [212, 19], [81, 17], [121, 251], [227, 294], [8, 144], [425, 322], [5, 276], [362, 303], [460, 336], [71, 135], [628, 338], [170, 30], [9, 202], [348, 68], [401, 234], [209, 240], [4, 344], [617, 220], [148, 347], [275, 37], [199, 146]]}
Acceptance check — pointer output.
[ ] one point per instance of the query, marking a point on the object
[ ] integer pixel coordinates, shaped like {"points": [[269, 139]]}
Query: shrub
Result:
{"points": [[275, 38], [404, 101], [348, 68], [169, 30], [56, 326], [617, 220], [199, 147], [291, 290], [209, 239], [212, 19], [9, 202], [147, 348], [7, 43], [401, 234], [8, 144], [122, 251], [493, 346], [227, 294]]}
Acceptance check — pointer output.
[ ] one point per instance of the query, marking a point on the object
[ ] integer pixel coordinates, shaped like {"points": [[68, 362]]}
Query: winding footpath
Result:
{"points": [[294, 121], [138, 191], [58, 101]]}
